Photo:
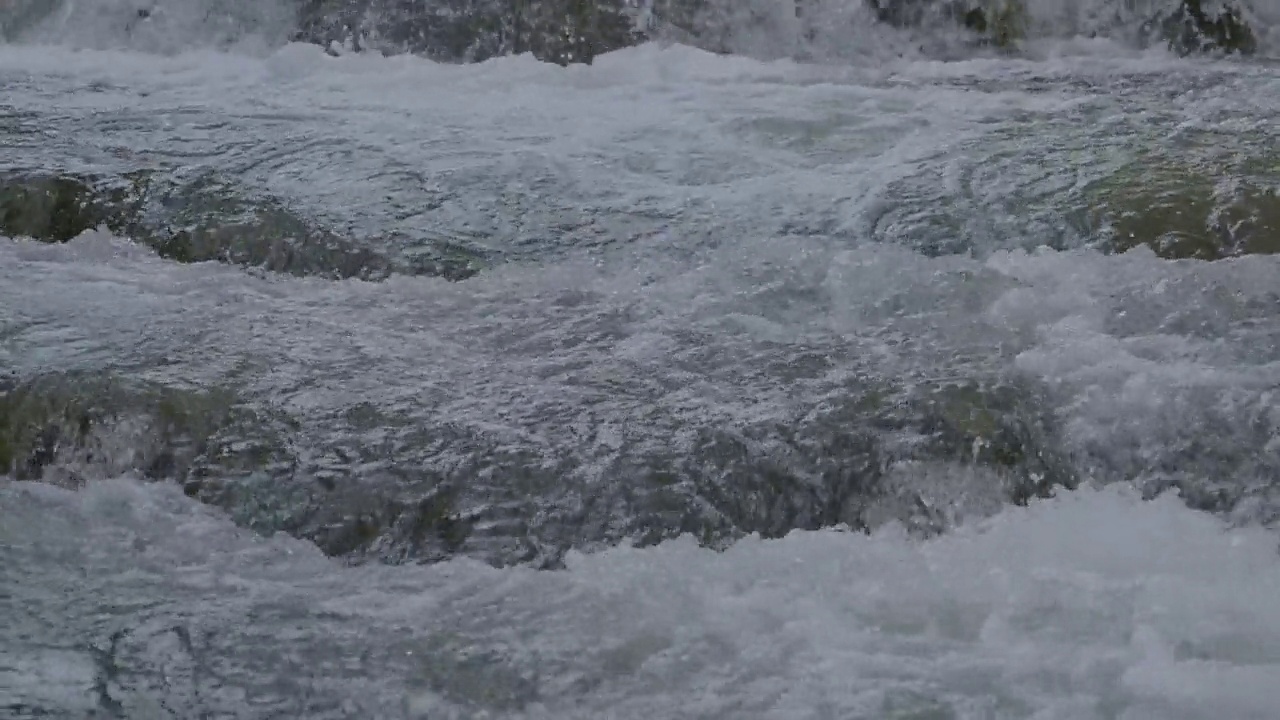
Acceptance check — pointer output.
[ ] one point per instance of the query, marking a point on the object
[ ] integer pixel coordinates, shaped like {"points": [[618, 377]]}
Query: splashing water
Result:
{"points": [[719, 296], [1095, 605], [161, 26], [846, 30], [824, 30]]}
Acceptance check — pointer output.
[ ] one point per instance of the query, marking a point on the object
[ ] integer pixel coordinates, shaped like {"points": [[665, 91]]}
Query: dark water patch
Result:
{"points": [[51, 208], [576, 31], [207, 219], [1191, 208], [379, 486], [1002, 23], [559, 31], [1193, 28], [1205, 195], [64, 428], [374, 484]]}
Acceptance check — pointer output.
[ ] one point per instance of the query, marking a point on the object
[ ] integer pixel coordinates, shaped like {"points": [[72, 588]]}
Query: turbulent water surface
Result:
{"points": [[748, 404]]}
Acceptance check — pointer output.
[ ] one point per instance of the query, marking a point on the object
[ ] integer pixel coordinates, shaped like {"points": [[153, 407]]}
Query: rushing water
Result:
{"points": [[133, 601], [718, 296]]}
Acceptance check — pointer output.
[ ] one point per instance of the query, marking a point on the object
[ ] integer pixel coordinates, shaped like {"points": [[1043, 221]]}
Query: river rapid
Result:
{"points": [[885, 386]]}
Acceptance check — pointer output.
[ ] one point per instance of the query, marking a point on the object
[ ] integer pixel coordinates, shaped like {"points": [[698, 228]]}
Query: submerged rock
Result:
{"points": [[204, 219], [1001, 23], [559, 31], [1206, 194], [379, 485], [1187, 209], [1192, 26], [54, 208], [573, 31], [375, 484], [67, 428], [1197, 26]]}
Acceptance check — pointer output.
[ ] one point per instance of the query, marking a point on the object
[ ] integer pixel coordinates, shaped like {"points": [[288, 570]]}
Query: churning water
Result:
{"points": [[757, 357]]}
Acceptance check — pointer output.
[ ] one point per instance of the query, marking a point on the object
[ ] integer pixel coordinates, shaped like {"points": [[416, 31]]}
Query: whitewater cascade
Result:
{"points": [[840, 360], [824, 30]]}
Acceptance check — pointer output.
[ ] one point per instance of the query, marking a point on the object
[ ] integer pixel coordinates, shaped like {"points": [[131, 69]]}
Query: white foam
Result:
{"points": [[829, 31], [163, 26], [1092, 605]]}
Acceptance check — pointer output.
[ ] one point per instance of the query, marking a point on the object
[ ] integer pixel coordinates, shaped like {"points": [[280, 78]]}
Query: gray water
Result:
{"points": [[862, 304]]}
